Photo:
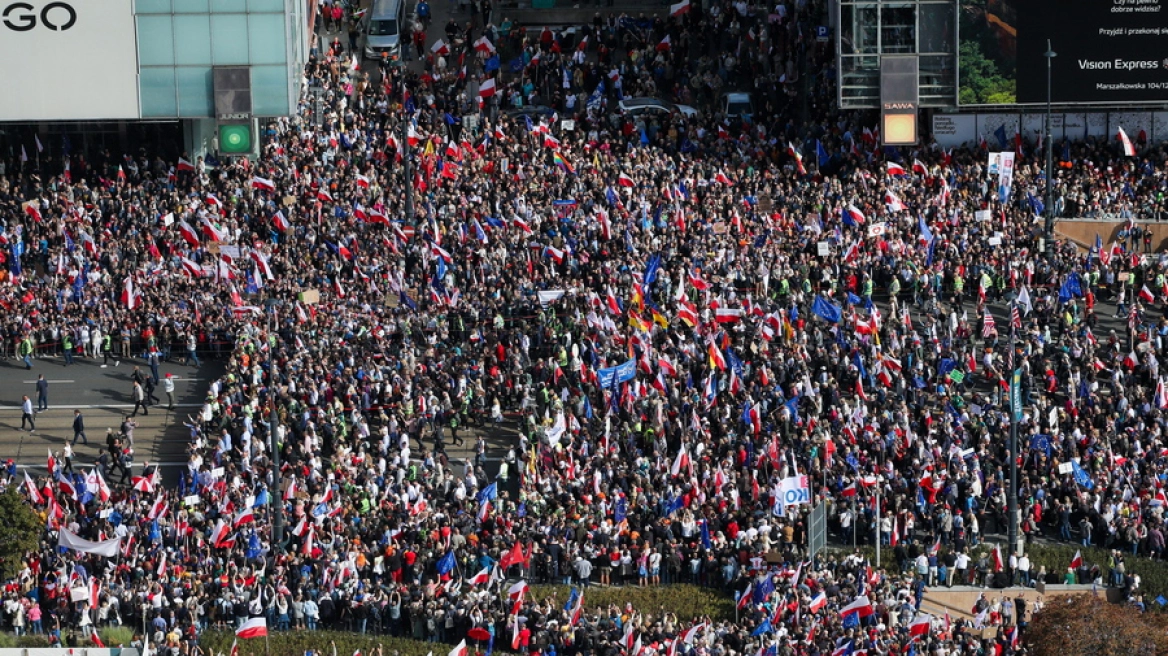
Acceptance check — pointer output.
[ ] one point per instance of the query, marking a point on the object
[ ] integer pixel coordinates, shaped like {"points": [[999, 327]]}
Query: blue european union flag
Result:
{"points": [[793, 407], [763, 591], [652, 266], [1000, 133], [1041, 443], [735, 362], [621, 512], [706, 543], [1070, 289], [821, 153], [489, 493], [491, 64], [445, 564], [829, 312], [254, 548], [763, 628], [1081, 476], [517, 64], [851, 621], [572, 597]]}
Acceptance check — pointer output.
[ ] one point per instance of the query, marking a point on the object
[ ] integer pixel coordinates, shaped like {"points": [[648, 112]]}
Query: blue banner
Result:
{"points": [[621, 373], [1081, 476]]}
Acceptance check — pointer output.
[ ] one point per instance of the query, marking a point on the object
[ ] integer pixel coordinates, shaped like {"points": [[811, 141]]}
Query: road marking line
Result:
{"points": [[99, 406], [29, 382]]}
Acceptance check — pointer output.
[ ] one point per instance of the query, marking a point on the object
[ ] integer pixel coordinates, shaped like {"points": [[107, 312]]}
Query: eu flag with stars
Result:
{"points": [[445, 564]]}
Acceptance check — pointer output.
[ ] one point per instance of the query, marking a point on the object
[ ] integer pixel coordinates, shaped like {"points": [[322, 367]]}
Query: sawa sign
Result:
{"points": [[68, 60]]}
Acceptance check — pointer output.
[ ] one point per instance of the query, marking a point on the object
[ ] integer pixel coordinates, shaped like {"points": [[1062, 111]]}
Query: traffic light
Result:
{"points": [[235, 138]]}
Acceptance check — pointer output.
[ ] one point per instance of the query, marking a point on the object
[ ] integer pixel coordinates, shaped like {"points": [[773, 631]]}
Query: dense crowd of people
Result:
{"points": [[658, 327]]}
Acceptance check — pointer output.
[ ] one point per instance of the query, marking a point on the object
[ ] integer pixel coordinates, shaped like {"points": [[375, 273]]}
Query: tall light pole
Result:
{"points": [[1014, 407], [405, 146], [1050, 55], [274, 486]]}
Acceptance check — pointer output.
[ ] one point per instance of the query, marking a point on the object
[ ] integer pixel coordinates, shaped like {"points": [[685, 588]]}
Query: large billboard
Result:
{"points": [[1109, 51], [68, 60]]}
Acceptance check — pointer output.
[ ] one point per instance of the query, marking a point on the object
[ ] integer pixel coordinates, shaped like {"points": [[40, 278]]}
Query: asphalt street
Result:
{"points": [[103, 396]]}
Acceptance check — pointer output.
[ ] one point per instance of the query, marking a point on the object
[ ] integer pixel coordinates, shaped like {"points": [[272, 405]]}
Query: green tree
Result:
{"points": [[981, 81], [19, 532]]}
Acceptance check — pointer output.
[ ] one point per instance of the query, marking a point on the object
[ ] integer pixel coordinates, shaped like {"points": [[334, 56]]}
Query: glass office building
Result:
{"points": [[868, 29]]}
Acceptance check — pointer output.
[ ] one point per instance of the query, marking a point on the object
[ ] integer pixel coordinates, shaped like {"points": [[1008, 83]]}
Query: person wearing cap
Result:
{"points": [[168, 387]]}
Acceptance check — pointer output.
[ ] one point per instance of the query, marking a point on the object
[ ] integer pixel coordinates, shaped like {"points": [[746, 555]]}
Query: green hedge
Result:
{"points": [[685, 601], [295, 643], [11, 641]]}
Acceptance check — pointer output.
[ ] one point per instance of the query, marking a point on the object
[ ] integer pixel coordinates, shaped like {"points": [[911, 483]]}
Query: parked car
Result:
{"points": [[535, 112], [653, 106]]}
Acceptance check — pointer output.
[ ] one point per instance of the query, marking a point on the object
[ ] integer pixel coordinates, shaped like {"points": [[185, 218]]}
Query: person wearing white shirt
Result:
{"points": [[26, 415]]}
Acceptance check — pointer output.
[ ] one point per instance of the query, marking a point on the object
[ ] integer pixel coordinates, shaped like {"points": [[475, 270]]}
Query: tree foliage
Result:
{"points": [[982, 83], [1086, 625], [19, 532]]}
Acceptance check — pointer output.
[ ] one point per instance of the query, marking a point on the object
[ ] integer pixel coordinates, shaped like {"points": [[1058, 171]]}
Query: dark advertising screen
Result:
{"points": [[1109, 51]]}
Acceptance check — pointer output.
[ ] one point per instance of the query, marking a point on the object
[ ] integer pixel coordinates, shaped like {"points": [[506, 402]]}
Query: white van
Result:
{"points": [[384, 32]]}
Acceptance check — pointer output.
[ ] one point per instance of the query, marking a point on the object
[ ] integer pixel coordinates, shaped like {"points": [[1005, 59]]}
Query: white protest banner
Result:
{"points": [[107, 548], [795, 490]]}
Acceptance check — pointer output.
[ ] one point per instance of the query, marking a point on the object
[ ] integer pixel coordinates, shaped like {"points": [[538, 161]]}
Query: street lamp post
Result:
{"points": [[274, 486], [405, 146], [1050, 55], [1013, 392]]}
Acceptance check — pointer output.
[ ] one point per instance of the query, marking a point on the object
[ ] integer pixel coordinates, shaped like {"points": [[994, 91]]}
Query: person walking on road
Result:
{"points": [[25, 351], [168, 387], [42, 389], [148, 385], [79, 428], [107, 350], [139, 396], [26, 414]]}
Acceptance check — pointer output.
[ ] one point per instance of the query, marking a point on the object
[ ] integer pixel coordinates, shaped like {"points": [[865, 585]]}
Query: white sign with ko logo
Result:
{"points": [[68, 60], [795, 490]]}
